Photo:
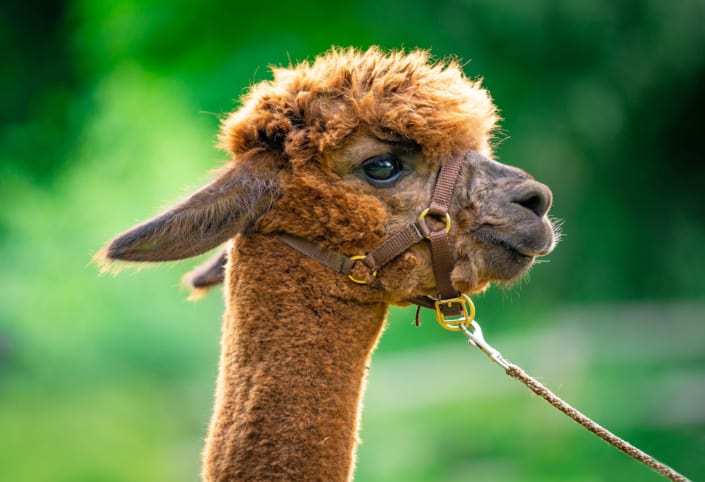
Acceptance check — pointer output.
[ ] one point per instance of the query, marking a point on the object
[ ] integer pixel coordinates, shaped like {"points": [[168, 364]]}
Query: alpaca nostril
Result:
{"points": [[533, 203], [535, 197]]}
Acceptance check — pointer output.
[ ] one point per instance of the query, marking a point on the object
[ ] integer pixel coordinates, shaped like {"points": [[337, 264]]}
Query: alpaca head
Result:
{"points": [[345, 150]]}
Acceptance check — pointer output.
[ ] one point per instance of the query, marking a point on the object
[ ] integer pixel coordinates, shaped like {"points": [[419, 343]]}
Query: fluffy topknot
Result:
{"points": [[314, 106]]}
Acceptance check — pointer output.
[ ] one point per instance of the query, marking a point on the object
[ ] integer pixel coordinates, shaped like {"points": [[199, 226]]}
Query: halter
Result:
{"points": [[452, 308]]}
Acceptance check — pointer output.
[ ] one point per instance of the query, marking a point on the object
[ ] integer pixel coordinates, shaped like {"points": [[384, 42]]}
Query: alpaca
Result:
{"points": [[342, 153]]}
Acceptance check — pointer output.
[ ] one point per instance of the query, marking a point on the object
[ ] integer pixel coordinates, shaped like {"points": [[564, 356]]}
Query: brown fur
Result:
{"points": [[312, 108], [297, 336], [292, 367]]}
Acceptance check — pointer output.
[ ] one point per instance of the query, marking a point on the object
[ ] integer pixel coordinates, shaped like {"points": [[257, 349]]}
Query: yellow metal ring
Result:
{"points": [[424, 213], [466, 318], [358, 257]]}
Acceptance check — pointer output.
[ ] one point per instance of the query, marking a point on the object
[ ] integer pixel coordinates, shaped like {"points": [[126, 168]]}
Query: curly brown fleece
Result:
{"points": [[311, 108]]}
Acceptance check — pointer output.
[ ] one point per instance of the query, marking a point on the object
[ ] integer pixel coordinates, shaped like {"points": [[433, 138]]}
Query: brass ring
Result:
{"points": [[456, 323], [358, 257], [423, 215]]}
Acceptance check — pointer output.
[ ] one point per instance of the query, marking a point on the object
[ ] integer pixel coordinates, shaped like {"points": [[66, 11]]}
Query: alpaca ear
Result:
{"points": [[207, 275], [230, 204]]}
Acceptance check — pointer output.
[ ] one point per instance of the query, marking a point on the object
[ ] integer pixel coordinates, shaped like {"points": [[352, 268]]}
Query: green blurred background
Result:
{"points": [[109, 112]]}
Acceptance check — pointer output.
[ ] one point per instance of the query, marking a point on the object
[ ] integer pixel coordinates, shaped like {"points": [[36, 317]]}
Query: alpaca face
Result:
{"points": [[499, 214], [367, 190], [362, 136]]}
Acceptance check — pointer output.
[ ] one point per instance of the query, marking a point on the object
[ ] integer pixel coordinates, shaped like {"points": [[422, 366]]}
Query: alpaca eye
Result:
{"points": [[382, 170]]}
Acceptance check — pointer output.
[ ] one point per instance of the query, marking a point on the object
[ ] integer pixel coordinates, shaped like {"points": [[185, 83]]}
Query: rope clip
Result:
{"points": [[476, 339]]}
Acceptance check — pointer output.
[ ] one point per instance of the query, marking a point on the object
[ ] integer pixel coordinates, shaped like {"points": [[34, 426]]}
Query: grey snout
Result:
{"points": [[511, 184]]}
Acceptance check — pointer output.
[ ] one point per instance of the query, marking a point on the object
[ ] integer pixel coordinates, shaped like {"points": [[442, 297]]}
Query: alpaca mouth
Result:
{"points": [[516, 250], [523, 246]]}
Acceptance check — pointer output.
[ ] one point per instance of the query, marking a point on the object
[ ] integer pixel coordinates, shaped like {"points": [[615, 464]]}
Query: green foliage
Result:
{"points": [[109, 111]]}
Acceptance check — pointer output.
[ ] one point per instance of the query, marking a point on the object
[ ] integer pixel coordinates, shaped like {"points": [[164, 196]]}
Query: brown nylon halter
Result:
{"points": [[389, 249]]}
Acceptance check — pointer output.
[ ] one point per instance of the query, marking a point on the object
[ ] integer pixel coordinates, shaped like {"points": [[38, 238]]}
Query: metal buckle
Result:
{"points": [[357, 280], [423, 227], [455, 323]]}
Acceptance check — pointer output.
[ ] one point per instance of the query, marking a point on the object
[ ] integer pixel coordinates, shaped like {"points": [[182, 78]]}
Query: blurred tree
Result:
{"points": [[38, 89]]}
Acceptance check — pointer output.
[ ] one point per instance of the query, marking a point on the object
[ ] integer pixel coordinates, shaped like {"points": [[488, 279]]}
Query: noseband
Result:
{"points": [[452, 308]]}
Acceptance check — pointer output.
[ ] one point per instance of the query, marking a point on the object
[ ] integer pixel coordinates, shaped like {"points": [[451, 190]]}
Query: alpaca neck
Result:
{"points": [[292, 368]]}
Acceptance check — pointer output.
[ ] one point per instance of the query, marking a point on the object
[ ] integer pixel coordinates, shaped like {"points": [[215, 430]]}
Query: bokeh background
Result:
{"points": [[109, 112]]}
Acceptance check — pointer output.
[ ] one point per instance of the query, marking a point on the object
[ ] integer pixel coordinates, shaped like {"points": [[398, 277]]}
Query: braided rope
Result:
{"points": [[516, 372], [476, 338]]}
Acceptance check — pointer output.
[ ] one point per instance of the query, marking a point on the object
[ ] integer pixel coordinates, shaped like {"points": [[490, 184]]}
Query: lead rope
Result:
{"points": [[476, 339]]}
